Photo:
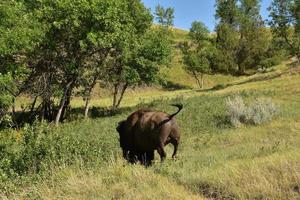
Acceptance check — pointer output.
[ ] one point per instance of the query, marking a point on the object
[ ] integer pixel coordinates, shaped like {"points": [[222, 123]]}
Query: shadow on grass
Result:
{"points": [[293, 64], [171, 86], [222, 121], [97, 112], [212, 192], [294, 70], [21, 118]]}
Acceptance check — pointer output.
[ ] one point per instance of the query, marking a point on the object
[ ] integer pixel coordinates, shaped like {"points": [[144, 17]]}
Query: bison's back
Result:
{"points": [[147, 131], [135, 116]]}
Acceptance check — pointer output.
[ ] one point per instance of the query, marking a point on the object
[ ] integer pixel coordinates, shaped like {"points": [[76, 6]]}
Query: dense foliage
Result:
{"points": [[50, 48], [285, 24], [243, 42]]}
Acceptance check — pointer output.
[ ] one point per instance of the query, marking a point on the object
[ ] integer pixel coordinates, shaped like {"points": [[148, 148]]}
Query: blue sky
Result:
{"points": [[187, 11]]}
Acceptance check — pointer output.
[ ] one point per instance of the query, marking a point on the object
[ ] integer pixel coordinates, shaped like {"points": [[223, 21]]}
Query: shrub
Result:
{"points": [[5, 103], [38, 147], [260, 111], [219, 86], [24, 151], [236, 110], [5, 120]]}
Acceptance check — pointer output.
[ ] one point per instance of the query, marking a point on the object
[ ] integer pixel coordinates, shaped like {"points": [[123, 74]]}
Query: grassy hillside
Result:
{"points": [[175, 72], [216, 161]]}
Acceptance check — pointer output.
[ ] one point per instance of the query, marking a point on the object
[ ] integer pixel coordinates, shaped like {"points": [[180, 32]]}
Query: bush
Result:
{"points": [[236, 110], [5, 120], [219, 86], [24, 151], [39, 147], [6, 99], [260, 111]]}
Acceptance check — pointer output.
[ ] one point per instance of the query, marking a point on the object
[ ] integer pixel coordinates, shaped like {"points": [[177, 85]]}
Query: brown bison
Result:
{"points": [[147, 130]]}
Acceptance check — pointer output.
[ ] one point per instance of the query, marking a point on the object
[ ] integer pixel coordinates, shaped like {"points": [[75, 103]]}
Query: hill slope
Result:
{"points": [[175, 73], [216, 161]]}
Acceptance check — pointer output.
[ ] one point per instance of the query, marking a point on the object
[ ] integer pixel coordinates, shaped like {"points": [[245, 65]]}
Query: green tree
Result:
{"points": [[253, 41], [241, 37], [285, 24], [80, 36], [227, 13], [164, 16], [113, 68], [139, 63], [195, 54], [20, 33], [199, 33], [94, 72], [226, 48], [196, 63], [138, 58]]}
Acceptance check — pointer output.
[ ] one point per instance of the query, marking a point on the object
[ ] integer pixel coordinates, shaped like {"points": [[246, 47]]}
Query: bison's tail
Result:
{"points": [[179, 106]]}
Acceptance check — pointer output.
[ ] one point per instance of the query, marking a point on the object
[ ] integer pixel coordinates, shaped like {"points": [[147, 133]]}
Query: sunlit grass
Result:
{"points": [[115, 180]]}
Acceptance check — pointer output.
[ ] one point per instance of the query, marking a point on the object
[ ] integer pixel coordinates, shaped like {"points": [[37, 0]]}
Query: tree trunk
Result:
{"points": [[86, 107], [42, 111], [116, 91], [298, 56], [33, 104], [67, 104], [87, 101], [88, 97], [293, 48], [202, 80], [13, 106], [45, 110], [122, 95], [200, 84], [62, 104], [241, 70], [117, 101]]}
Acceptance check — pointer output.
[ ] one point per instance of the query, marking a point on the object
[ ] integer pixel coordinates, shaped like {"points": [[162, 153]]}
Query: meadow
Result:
{"points": [[82, 159], [240, 133]]}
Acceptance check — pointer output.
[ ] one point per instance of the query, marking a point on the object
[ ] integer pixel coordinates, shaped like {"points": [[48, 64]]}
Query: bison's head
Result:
{"points": [[123, 137], [121, 126]]}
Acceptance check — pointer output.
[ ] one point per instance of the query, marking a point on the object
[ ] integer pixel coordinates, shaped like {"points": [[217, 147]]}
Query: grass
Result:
{"points": [[247, 163], [216, 161], [116, 180], [180, 35]]}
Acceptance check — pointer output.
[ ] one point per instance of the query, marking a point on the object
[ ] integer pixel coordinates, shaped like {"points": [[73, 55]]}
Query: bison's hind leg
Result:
{"points": [[175, 143], [161, 152]]}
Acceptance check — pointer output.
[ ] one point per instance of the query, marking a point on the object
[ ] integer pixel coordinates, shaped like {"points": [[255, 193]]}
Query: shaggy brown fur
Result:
{"points": [[145, 131]]}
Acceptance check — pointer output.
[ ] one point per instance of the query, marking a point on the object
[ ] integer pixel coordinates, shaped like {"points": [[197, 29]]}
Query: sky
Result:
{"points": [[187, 11]]}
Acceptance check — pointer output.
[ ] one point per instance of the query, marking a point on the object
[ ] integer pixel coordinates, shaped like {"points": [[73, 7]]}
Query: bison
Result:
{"points": [[146, 130]]}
